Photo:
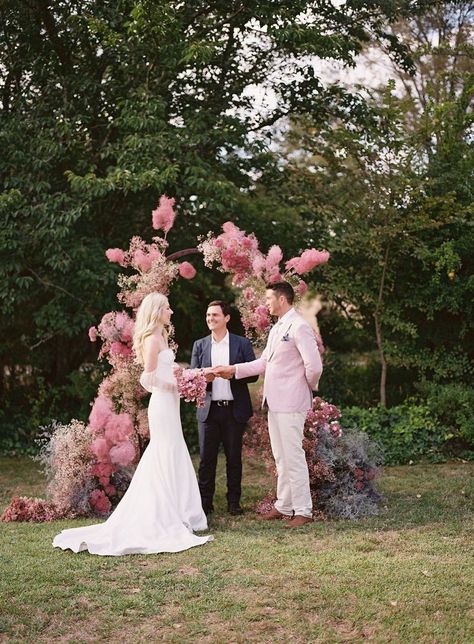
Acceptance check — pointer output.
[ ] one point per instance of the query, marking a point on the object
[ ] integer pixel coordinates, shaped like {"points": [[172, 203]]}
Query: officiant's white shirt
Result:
{"points": [[220, 352]]}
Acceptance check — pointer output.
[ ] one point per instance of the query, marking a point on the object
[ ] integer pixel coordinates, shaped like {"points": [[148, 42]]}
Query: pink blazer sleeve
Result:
{"points": [[253, 368], [306, 344]]}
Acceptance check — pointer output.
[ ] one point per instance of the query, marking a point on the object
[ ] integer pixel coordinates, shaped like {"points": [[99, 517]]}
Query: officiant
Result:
{"points": [[227, 408]]}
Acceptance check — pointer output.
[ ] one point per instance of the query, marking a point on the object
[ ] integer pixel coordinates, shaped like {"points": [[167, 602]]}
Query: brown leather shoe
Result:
{"points": [[271, 515], [297, 521]]}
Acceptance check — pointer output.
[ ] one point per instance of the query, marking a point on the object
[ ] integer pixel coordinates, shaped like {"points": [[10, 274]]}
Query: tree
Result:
{"points": [[395, 197], [105, 105]]}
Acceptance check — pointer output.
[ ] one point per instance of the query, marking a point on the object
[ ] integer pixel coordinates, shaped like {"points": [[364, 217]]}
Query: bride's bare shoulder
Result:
{"points": [[154, 343]]}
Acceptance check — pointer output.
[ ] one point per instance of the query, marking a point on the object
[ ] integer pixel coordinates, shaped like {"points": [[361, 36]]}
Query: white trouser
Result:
{"points": [[286, 438]]}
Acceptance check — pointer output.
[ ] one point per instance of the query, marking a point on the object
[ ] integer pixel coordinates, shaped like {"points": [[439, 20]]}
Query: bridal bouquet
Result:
{"points": [[192, 385]]}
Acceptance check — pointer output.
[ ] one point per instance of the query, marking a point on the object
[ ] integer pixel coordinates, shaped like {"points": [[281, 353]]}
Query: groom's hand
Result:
{"points": [[224, 371], [208, 372]]}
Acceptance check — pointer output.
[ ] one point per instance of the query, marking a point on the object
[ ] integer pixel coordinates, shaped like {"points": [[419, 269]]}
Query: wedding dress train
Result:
{"points": [[162, 506]]}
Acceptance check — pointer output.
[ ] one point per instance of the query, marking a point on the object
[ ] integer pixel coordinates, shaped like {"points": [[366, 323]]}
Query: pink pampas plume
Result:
{"points": [[123, 454], [307, 261], [187, 270], [115, 255], [274, 257], [163, 217]]}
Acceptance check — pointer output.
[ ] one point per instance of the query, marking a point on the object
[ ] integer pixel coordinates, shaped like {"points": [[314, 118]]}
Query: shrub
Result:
{"points": [[407, 432], [452, 405]]}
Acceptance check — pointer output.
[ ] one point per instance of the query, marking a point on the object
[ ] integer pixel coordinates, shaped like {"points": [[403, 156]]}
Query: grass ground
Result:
{"points": [[404, 576]]}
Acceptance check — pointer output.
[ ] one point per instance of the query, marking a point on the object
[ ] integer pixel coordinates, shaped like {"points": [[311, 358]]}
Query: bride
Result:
{"points": [[162, 506]]}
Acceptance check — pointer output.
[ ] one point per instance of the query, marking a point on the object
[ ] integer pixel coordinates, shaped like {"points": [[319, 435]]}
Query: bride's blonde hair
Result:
{"points": [[147, 320]]}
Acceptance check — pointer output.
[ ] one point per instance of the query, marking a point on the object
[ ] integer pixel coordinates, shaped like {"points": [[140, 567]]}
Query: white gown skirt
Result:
{"points": [[162, 506]]}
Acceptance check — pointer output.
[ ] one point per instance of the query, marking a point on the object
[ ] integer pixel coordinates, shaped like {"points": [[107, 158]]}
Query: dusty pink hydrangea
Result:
{"points": [[123, 454], [100, 502], [100, 413]]}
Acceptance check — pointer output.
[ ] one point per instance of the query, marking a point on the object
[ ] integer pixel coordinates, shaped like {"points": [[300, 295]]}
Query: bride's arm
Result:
{"points": [[152, 348]]}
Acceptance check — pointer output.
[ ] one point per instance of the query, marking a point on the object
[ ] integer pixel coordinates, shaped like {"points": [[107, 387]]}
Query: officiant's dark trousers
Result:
{"points": [[220, 427]]}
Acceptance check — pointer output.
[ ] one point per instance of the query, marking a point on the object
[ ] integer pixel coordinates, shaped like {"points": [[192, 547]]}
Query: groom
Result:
{"points": [[292, 368], [227, 407]]}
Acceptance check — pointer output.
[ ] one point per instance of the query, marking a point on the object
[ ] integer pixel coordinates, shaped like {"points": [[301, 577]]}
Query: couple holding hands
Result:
{"points": [[164, 504]]}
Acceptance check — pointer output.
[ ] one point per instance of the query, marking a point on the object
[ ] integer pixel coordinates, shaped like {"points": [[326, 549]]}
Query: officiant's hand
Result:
{"points": [[224, 371]]}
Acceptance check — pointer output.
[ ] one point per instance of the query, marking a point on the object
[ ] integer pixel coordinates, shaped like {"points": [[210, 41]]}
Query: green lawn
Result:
{"points": [[404, 576]]}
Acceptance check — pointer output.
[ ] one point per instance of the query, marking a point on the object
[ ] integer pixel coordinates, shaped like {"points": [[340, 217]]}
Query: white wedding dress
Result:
{"points": [[162, 506]]}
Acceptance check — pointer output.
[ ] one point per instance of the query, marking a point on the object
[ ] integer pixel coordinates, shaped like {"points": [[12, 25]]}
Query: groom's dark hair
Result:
{"points": [[283, 288], [226, 310]]}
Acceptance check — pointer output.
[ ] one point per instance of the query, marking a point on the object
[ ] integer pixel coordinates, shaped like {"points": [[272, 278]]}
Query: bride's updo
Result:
{"points": [[147, 320]]}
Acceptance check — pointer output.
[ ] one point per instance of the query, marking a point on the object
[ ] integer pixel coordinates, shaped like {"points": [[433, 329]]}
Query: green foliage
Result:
{"points": [[107, 105], [452, 405], [353, 379], [406, 433]]}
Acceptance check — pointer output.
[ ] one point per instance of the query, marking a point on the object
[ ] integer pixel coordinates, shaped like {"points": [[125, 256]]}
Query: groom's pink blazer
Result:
{"points": [[291, 364]]}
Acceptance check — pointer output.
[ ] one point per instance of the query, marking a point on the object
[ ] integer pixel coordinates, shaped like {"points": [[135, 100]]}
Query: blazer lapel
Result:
{"points": [[232, 349], [206, 352]]}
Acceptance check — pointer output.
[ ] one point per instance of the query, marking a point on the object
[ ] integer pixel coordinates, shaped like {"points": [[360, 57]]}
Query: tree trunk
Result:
{"points": [[379, 335], [383, 362]]}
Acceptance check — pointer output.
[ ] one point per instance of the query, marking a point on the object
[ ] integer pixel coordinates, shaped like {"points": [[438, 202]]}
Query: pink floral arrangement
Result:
{"points": [[192, 386], [237, 253], [342, 466], [89, 466], [23, 508]]}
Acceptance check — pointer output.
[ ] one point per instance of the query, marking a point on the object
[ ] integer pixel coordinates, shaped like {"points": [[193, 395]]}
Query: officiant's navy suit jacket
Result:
{"points": [[240, 350]]}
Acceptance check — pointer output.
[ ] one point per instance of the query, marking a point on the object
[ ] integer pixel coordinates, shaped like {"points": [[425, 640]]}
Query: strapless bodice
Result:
{"points": [[162, 377]]}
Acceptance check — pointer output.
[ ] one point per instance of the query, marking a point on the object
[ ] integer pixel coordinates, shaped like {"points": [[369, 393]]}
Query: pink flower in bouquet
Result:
{"points": [[187, 270], [116, 256], [100, 413], [118, 428], [92, 334], [101, 447], [163, 216], [307, 261], [123, 454], [100, 502], [192, 386]]}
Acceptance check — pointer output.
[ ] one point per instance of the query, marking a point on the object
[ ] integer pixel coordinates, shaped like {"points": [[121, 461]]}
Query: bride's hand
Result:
{"points": [[210, 376], [177, 369]]}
